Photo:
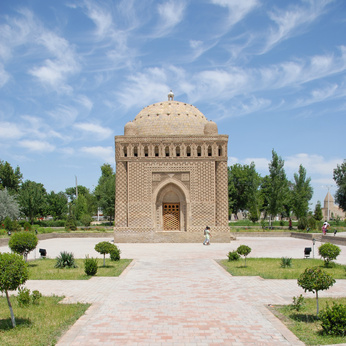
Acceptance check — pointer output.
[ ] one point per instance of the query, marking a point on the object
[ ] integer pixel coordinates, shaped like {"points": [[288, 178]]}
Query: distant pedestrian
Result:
{"points": [[207, 236], [325, 227]]}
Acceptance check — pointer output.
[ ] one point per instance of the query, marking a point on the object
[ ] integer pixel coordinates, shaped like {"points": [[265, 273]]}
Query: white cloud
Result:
{"points": [[289, 21], [36, 146], [99, 131], [171, 14], [63, 115], [237, 9], [85, 102], [105, 154], [144, 88], [4, 76], [9, 131]]}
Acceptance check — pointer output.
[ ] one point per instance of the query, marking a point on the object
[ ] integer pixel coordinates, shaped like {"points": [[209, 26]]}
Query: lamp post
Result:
{"points": [[313, 247]]}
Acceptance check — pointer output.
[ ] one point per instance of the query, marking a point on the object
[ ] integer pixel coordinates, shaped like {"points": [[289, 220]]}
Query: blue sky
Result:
{"points": [[271, 74]]}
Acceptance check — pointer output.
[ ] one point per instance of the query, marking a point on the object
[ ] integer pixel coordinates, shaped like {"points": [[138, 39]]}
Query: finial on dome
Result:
{"points": [[170, 96]]}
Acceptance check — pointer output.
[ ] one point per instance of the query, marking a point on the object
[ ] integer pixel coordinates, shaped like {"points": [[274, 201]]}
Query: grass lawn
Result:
{"points": [[270, 268], [41, 324], [43, 269], [305, 325]]}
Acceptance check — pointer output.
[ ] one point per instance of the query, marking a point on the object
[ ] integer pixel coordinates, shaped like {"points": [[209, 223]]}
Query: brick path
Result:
{"points": [[176, 294]]}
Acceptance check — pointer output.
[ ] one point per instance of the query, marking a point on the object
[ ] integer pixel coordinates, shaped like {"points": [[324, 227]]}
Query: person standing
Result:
{"points": [[207, 236]]}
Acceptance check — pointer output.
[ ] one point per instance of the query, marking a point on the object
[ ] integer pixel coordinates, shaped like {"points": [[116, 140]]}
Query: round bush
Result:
{"points": [[115, 254], [23, 242], [233, 256], [329, 252], [334, 320], [90, 266]]}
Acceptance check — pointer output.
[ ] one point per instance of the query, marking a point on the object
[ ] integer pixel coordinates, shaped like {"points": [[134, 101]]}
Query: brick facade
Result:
{"points": [[171, 156]]}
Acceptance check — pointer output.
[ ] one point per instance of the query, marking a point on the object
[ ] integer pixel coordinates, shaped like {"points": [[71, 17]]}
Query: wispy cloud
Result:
{"points": [[171, 13], [9, 131], [237, 10], [63, 115], [105, 154], [288, 22], [36, 146], [90, 128]]}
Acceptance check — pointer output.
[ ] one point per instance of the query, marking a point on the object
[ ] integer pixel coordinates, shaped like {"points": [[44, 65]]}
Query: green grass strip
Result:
{"points": [[43, 269], [270, 268]]}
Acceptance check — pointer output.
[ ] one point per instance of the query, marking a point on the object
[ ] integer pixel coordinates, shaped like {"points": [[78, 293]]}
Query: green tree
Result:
{"points": [[32, 199], [329, 252], [70, 224], [277, 189], [243, 189], [13, 274], [22, 243], [8, 206], [318, 215], [105, 191], [57, 205], [301, 193], [104, 247], [10, 178], [84, 204], [339, 175], [244, 250], [314, 280]]}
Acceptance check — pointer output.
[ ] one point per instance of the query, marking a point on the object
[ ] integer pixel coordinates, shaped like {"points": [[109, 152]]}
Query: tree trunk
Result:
{"points": [[317, 302], [11, 310], [104, 260]]}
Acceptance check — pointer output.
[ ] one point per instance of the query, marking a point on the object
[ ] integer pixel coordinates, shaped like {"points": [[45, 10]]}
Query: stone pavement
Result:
{"points": [[176, 294]]}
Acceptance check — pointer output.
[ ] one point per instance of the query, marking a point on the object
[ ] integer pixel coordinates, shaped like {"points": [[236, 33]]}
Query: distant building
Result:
{"points": [[171, 172], [333, 210]]}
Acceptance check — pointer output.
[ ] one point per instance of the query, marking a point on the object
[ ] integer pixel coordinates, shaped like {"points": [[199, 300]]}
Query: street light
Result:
{"points": [[313, 247]]}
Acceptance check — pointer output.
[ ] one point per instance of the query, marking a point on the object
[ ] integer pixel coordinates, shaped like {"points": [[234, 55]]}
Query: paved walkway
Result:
{"points": [[176, 294]]}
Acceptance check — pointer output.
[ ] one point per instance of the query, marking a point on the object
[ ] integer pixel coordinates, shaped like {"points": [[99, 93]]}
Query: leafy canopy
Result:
{"points": [[339, 175], [22, 243]]}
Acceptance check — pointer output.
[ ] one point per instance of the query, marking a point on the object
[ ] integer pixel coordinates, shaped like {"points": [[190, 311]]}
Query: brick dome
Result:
{"points": [[169, 118]]}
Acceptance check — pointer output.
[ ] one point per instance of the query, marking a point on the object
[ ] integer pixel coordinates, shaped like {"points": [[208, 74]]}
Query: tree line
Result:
{"points": [[248, 193], [274, 194], [30, 199]]}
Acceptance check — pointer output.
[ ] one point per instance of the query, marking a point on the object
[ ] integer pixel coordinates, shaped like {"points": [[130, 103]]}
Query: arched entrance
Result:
{"points": [[171, 208]]}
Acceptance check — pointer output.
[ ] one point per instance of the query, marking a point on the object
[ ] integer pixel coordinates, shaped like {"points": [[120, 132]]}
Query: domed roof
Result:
{"points": [[210, 128], [169, 118]]}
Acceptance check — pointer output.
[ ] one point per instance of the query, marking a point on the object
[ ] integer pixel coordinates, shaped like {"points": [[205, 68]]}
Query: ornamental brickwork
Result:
{"points": [[174, 176]]}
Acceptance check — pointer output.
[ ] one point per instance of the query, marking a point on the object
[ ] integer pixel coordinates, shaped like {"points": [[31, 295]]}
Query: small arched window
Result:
{"points": [[156, 151], [220, 150], [167, 151], [177, 151], [188, 151], [125, 151], [135, 151], [199, 151], [146, 153], [209, 151]]}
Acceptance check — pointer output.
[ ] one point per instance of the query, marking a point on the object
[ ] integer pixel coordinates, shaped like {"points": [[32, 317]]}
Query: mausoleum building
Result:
{"points": [[171, 172]]}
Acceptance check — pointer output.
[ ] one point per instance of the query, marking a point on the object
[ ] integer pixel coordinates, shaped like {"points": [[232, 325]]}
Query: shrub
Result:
{"points": [[302, 223], [23, 297], [314, 280], [13, 274], [115, 254], [86, 219], [22, 243], [71, 224], [65, 259], [35, 297], [90, 266], [233, 256], [329, 252], [104, 247], [244, 250], [298, 303], [27, 226], [334, 320], [286, 262]]}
